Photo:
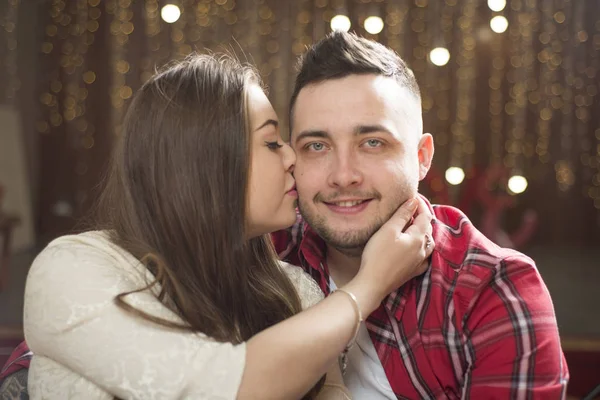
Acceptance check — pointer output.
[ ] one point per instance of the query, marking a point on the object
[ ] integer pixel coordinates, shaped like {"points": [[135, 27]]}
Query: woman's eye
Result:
{"points": [[373, 143], [273, 145], [316, 146]]}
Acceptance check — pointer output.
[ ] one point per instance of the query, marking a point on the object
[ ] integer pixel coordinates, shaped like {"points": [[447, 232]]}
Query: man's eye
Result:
{"points": [[373, 143], [316, 146], [273, 145]]}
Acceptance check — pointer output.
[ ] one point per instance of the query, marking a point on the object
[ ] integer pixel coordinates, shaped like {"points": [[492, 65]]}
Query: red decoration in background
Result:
{"points": [[486, 189], [495, 203]]}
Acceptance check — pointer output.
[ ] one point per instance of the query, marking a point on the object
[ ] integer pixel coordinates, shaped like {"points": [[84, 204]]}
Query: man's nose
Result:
{"points": [[344, 171]]}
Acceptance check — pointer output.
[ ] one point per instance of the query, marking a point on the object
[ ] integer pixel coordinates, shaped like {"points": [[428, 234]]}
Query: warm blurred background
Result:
{"points": [[510, 93]]}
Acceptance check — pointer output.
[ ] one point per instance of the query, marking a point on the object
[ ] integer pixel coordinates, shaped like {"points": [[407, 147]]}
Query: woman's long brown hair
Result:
{"points": [[176, 196]]}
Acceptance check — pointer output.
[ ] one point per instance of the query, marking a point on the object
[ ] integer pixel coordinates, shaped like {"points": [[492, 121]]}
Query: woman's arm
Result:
{"points": [[287, 359], [310, 294]]}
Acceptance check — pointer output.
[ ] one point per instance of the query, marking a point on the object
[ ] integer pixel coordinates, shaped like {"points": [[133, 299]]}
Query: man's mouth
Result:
{"points": [[348, 206], [347, 203]]}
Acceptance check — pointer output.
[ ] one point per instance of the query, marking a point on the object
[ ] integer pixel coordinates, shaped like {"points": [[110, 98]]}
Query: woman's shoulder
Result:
{"points": [[308, 290], [87, 244], [90, 250], [84, 268]]}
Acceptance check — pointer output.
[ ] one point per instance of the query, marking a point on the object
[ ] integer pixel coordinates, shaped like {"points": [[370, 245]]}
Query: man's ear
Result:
{"points": [[425, 154]]}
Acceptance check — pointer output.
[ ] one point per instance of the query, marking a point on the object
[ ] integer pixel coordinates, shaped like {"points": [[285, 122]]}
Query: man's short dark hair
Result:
{"points": [[340, 54]]}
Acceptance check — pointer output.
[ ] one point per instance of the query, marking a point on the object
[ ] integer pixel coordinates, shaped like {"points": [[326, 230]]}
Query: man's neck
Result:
{"points": [[342, 266]]}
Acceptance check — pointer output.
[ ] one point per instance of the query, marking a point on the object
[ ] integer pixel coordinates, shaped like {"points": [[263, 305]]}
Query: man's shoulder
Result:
{"points": [[461, 243], [465, 253]]}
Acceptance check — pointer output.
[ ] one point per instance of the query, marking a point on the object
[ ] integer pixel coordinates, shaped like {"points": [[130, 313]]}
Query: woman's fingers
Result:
{"points": [[422, 221], [395, 255], [404, 214], [421, 228]]}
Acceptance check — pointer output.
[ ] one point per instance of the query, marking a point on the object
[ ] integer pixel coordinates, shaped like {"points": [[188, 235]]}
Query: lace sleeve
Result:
{"points": [[308, 290], [71, 319]]}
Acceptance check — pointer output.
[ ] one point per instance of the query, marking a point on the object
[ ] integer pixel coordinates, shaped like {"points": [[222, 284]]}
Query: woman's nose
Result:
{"points": [[289, 158]]}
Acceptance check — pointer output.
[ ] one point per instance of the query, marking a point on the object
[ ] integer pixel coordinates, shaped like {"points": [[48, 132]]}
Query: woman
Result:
{"points": [[178, 294]]}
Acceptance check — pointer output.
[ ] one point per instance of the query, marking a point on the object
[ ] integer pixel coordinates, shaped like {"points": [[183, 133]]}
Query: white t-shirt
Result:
{"points": [[365, 376]]}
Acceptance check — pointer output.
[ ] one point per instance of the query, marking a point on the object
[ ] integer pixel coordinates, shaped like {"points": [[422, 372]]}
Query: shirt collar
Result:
{"points": [[314, 250]]}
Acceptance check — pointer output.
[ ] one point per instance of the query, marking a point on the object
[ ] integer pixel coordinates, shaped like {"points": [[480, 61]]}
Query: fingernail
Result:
{"points": [[411, 203]]}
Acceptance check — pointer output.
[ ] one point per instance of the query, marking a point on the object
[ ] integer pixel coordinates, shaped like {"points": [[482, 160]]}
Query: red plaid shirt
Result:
{"points": [[478, 324], [19, 359]]}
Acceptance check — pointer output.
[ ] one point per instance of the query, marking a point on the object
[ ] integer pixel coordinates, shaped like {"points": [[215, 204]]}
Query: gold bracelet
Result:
{"points": [[358, 314]]}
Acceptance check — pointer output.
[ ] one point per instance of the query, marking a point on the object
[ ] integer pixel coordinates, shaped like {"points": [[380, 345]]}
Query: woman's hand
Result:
{"points": [[395, 254]]}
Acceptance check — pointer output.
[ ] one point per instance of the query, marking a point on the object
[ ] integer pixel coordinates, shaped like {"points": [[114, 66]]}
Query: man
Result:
{"points": [[480, 322]]}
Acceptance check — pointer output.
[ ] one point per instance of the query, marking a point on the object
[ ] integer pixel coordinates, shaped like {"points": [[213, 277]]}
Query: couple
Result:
{"points": [[178, 292]]}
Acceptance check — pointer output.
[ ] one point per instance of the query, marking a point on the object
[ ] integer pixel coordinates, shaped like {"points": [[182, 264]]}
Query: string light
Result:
{"points": [[69, 33], [152, 31], [439, 56], [121, 27], [437, 96], [583, 97], [519, 147], [267, 26], [204, 33], [543, 80], [547, 78], [517, 184], [373, 25], [425, 40], [279, 77], [496, 5], [586, 94], [180, 47], [455, 175], [340, 23], [9, 24], [49, 96], [496, 102], [499, 24], [563, 101], [170, 13], [85, 16], [418, 29], [462, 126], [396, 19]]}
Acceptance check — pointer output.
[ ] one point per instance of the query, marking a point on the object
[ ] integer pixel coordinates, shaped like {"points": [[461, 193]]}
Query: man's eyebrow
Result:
{"points": [[311, 134], [268, 122], [365, 129], [358, 130]]}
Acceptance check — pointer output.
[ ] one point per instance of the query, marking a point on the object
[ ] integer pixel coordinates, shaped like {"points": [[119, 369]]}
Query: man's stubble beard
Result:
{"points": [[350, 243]]}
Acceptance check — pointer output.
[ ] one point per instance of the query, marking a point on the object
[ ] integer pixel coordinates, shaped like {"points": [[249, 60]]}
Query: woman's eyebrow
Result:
{"points": [[268, 122]]}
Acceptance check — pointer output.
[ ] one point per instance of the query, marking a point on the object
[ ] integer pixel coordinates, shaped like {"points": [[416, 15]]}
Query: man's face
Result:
{"points": [[360, 154]]}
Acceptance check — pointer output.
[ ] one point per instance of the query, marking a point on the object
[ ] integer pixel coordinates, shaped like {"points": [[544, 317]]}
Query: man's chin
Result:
{"points": [[339, 232], [346, 240]]}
